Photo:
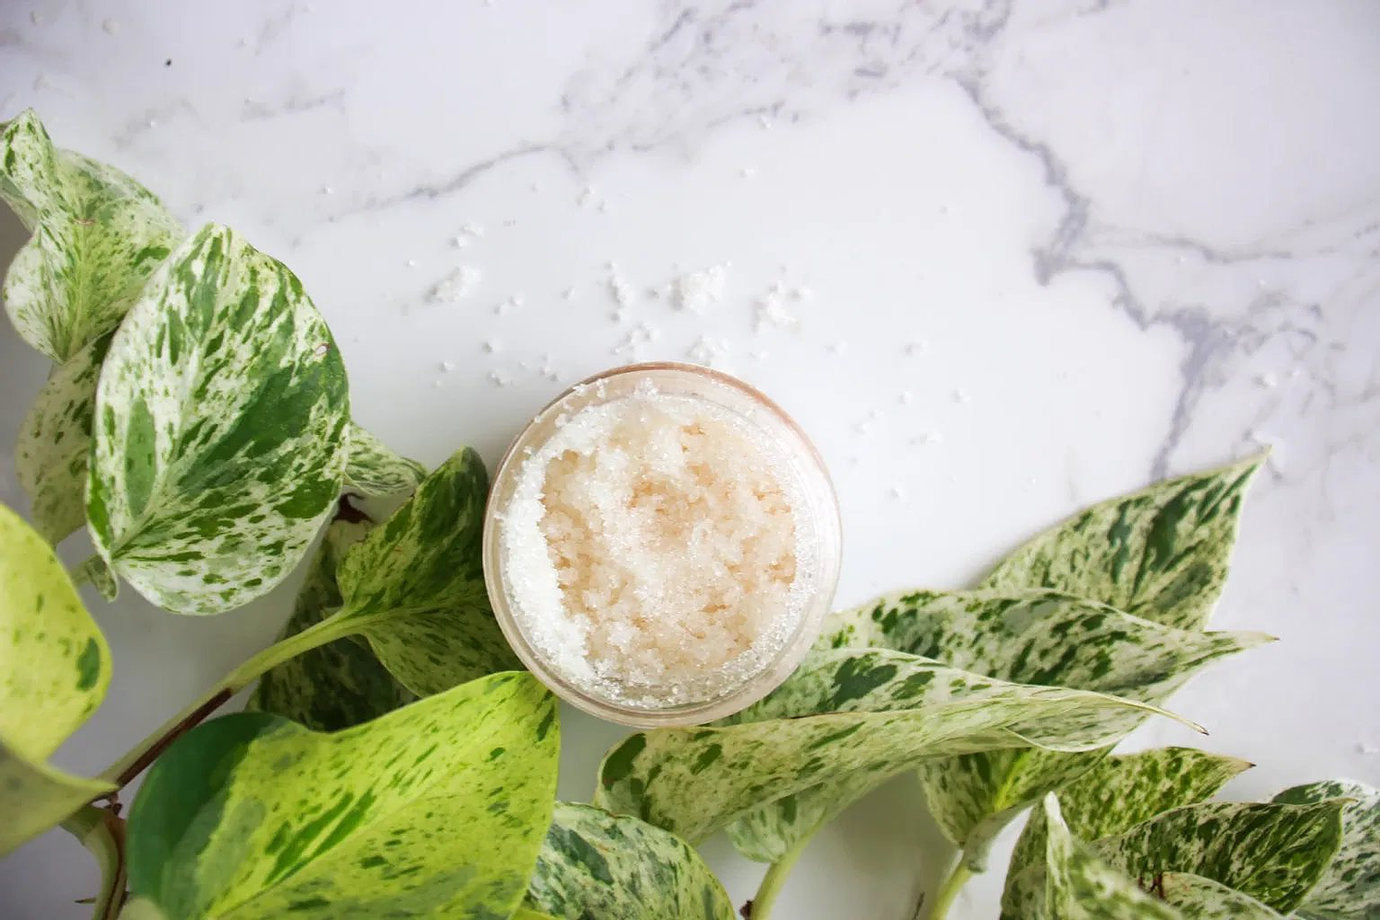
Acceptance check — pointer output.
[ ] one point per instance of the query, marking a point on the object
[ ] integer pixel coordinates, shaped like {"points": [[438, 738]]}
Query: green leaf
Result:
{"points": [[1032, 637], [1350, 887], [97, 237], [437, 809], [54, 670], [1274, 853], [1198, 898], [886, 711], [1160, 553], [218, 440], [1122, 791], [339, 684], [55, 441], [595, 864], [1072, 883], [415, 585], [374, 469]]}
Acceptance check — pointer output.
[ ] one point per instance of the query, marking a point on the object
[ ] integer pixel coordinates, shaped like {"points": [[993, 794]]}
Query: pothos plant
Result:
{"points": [[395, 760]]}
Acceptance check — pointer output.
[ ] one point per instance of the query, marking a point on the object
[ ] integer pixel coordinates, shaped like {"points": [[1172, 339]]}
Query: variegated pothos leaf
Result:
{"points": [[1160, 553], [1350, 887], [218, 444], [1274, 853], [97, 237], [1198, 898], [374, 469], [594, 864], [885, 712], [55, 442], [339, 684], [54, 670], [251, 817], [415, 585], [1033, 637], [1070, 882], [1124, 790]]}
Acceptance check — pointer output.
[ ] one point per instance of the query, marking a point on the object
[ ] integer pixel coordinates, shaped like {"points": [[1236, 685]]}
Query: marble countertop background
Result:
{"points": [[1036, 252]]}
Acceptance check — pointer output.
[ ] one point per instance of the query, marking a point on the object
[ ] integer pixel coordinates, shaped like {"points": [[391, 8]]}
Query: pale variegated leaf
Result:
{"points": [[374, 469], [100, 831], [695, 780], [55, 442], [1122, 791], [1160, 553], [1033, 637], [97, 237], [597, 865], [1274, 853], [1350, 887], [415, 585], [219, 429], [1198, 898], [1072, 883], [436, 810], [339, 684], [54, 670]]}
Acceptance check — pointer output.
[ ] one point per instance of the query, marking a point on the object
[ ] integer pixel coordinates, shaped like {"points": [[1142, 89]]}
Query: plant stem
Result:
{"points": [[147, 751], [102, 831], [949, 890], [773, 881]]}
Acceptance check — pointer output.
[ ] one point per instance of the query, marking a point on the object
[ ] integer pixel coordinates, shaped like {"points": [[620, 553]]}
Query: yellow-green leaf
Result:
{"points": [[54, 670], [435, 810]]}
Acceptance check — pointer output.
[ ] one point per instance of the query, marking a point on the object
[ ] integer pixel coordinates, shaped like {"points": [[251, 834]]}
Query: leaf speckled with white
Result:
{"points": [[54, 670], [1350, 887], [1160, 553], [695, 780], [55, 442], [1122, 791], [1274, 853], [594, 864], [97, 237], [1198, 898], [339, 684], [1033, 637], [219, 446], [436, 810], [373, 469], [415, 585]]}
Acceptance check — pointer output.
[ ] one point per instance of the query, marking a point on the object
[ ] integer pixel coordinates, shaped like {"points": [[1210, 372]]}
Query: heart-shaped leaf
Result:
{"points": [[339, 684], [251, 816], [55, 442], [1031, 637], [1274, 853], [1198, 898], [1071, 882], [219, 446], [595, 864], [415, 585], [694, 780], [54, 670], [97, 237], [1122, 791], [1160, 553], [374, 469], [1350, 887]]}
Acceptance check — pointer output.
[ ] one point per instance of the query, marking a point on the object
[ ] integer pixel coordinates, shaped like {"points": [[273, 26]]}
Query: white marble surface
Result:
{"points": [[1095, 242]]}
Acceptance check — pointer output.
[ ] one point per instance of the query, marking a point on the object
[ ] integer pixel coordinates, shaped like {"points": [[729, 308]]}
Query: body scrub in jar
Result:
{"points": [[661, 544]]}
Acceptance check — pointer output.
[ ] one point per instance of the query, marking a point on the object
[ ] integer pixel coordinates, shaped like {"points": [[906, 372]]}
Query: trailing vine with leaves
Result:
{"points": [[395, 760]]}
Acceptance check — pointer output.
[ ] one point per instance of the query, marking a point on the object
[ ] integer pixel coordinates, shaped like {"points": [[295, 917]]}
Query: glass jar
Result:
{"points": [[817, 539]]}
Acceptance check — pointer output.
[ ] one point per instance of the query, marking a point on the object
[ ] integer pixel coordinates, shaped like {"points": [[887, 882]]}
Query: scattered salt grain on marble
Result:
{"points": [[35, 17], [906, 397], [697, 291], [618, 316], [771, 310], [1268, 380], [928, 437], [758, 355], [1365, 747], [639, 336], [763, 122], [327, 190], [447, 366], [111, 27], [492, 346], [569, 293], [838, 347], [707, 351], [436, 383], [960, 396], [747, 172], [459, 241], [411, 263], [457, 285], [499, 379], [916, 348], [586, 195], [896, 493]]}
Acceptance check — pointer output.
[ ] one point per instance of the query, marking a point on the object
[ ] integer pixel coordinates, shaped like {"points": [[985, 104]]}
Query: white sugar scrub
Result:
{"points": [[661, 544]]}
